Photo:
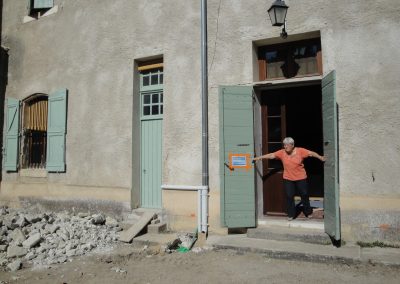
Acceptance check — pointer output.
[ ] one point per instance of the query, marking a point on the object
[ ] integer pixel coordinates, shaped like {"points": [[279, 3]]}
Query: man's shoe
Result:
{"points": [[290, 218]]}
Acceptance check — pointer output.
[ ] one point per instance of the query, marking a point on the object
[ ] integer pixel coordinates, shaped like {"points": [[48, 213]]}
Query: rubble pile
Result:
{"points": [[50, 238]]}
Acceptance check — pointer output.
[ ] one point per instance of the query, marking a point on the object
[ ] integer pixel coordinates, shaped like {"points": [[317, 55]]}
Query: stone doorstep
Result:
{"points": [[290, 234], [292, 250]]}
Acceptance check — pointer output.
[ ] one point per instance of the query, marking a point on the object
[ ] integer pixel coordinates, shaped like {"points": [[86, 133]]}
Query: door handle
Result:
{"points": [[229, 167], [326, 143]]}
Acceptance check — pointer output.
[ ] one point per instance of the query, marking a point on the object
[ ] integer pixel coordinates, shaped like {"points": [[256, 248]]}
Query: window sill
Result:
{"points": [[36, 173], [52, 11], [298, 80]]}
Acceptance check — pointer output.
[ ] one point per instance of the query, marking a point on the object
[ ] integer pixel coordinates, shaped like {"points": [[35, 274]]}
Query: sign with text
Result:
{"points": [[239, 161]]}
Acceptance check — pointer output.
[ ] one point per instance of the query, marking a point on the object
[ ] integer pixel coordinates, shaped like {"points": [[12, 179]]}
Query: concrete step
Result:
{"points": [[157, 228], [313, 236], [287, 249], [292, 250]]}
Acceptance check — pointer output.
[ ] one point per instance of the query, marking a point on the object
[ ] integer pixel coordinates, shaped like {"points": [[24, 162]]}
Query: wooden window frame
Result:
{"points": [[262, 62]]}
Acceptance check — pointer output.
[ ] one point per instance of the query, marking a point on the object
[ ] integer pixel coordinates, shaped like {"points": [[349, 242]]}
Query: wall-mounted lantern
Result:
{"points": [[277, 13]]}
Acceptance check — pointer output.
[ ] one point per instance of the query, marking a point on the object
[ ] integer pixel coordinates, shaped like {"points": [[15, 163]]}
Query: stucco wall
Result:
{"points": [[90, 48]]}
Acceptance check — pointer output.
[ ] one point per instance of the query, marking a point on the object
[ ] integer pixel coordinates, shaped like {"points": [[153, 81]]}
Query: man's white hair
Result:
{"points": [[288, 140]]}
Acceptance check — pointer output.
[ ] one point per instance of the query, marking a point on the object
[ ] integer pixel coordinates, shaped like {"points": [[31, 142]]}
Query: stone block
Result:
{"points": [[21, 222], [33, 218], [3, 248], [156, 228], [14, 251], [32, 241], [30, 255], [83, 214], [18, 236], [111, 222], [98, 219], [15, 265]]}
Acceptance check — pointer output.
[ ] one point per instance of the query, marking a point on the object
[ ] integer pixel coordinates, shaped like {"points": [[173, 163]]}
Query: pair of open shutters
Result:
{"points": [[56, 131], [238, 207]]}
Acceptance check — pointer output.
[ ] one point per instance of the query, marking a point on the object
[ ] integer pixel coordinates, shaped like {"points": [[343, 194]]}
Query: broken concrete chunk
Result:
{"points": [[111, 222], [53, 228], [14, 251], [83, 214], [15, 265], [17, 235], [30, 255], [98, 219], [33, 218], [3, 262], [32, 241], [3, 231], [21, 222], [3, 248]]}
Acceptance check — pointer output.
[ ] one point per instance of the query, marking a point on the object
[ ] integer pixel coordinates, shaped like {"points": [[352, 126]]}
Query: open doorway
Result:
{"points": [[295, 112]]}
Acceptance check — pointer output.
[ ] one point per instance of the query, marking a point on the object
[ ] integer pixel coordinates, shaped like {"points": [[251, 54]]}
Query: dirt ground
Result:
{"points": [[138, 264]]}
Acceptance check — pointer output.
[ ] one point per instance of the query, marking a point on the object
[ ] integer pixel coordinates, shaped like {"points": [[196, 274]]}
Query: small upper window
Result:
{"points": [[37, 8], [293, 59]]}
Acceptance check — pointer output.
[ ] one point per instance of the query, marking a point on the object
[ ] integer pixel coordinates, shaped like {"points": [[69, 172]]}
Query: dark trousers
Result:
{"points": [[290, 189]]}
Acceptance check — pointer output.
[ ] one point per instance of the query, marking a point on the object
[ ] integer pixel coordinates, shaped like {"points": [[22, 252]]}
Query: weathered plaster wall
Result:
{"points": [[90, 48]]}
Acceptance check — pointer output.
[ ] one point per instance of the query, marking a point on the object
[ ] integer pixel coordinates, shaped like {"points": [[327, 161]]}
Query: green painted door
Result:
{"points": [[236, 137], [331, 176], [11, 143], [151, 97]]}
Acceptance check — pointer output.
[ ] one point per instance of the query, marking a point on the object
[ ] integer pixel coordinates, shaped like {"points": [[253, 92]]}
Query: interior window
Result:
{"points": [[34, 131]]}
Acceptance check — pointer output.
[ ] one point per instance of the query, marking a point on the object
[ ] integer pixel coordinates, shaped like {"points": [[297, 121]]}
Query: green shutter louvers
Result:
{"points": [[42, 4], [236, 136], [56, 131], [11, 143], [331, 171]]}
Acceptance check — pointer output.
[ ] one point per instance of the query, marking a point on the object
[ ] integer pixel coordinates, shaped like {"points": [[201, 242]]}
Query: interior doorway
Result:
{"points": [[291, 112]]}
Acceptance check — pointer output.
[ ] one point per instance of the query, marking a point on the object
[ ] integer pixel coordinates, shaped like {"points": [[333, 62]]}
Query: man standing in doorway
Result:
{"points": [[294, 174]]}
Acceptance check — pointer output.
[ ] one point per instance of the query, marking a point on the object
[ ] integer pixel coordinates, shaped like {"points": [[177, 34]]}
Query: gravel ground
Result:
{"points": [[127, 263]]}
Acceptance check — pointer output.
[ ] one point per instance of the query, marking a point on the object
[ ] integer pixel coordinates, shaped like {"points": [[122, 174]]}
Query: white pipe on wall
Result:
{"points": [[202, 196]]}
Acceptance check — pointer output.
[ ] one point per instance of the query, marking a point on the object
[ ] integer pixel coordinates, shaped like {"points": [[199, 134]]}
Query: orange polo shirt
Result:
{"points": [[293, 167]]}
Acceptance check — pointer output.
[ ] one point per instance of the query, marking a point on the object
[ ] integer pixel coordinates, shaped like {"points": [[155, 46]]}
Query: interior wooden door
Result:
{"points": [[273, 113]]}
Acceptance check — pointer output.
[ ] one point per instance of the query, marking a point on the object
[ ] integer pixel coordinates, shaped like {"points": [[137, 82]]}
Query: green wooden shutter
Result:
{"points": [[56, 130], [42, 4], [236, 136], [331, 176], [11, 144]]}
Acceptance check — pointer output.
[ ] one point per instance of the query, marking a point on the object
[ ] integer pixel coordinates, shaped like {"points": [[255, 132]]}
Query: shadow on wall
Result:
{"points": [[3, 84]]}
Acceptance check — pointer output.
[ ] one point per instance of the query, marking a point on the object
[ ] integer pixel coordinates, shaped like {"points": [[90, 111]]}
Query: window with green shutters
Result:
{"points": [[53, 135]]}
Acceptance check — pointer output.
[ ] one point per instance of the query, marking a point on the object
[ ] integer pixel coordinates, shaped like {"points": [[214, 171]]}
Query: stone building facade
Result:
{"points": [[108, 99]]}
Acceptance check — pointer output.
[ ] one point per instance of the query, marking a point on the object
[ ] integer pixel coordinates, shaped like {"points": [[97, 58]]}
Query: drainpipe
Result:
{"points": [[204, 102]]}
